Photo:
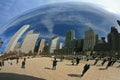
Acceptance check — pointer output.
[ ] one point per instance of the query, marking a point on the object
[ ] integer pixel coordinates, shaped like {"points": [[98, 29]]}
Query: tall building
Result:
{"points": [[41, 46], [53, 44], [46, 47], [15, 37], [29, 42], [70, 35], [102, 45], [90, 40], [60, 46], [114, 39], [79, 45]]}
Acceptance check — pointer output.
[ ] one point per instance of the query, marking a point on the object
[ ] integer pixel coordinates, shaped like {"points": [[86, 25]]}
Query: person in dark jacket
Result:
{"points": [[17, 60], [54, 64], [109, 63], [77, 60], [103, 62], [23, 63]]}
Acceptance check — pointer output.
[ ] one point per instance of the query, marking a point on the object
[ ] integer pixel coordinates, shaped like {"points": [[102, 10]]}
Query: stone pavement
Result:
{"points": [[40, 69]]}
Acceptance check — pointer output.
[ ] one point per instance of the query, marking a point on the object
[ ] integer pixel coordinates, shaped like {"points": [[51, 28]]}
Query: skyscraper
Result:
{"points": [[41, 46], [15, 37], [60, 46], [70, 35], [90, 40], [53, 44], [29, 42], [114, 39]]}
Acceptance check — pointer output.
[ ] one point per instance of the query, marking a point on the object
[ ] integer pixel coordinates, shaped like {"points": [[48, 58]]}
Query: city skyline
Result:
{"points": [[69, 34], [52, 19], [78, 16], [59, 39]]}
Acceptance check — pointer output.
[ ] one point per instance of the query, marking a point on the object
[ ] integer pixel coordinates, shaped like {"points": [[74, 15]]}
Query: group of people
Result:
{"points": [[110, 60], [76, 60], [10, 62]]}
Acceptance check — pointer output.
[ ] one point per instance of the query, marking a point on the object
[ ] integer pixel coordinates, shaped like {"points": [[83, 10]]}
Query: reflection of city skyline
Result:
{"points": [[89, 43], [57, 19]]}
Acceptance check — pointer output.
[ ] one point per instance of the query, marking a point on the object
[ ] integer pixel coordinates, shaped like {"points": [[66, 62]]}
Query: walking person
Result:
{"points": [[113, 61], [61, 58], [17, 61], [0, 64], [77, 60], [10, 61], [87, 58], [54, 64], [23, 63], [86, 68], [73, 61], [96, 61], [109, 63], [103, 62]]}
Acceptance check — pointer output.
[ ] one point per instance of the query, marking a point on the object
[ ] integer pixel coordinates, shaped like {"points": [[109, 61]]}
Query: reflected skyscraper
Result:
{"points": [[60, 46], [41, 46], [53, 44], [29, 42], [90, 40], [114, 39], [15, 37], [70, 35]]}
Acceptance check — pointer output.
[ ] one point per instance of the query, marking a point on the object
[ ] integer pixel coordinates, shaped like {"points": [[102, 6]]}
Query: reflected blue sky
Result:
{"points": [[10, 9]]}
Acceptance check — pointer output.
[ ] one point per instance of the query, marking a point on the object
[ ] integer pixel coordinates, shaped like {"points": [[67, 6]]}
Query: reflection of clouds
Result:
{"points": [[52, 14], [65, 14], [11, 8], [49, 36], [48, 24]]}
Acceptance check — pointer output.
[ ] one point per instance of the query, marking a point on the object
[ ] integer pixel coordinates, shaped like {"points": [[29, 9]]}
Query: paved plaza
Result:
{"points": [[41, 69]]}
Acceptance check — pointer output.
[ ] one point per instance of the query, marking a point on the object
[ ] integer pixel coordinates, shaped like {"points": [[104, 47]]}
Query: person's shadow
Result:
{"points": [[75, 75], [48, 68], [12, 76], [102, 68], [70, 64]]}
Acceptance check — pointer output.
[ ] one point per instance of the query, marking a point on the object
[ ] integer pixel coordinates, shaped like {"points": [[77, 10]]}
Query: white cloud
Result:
{"points": [[48, 24], [110, 5], [49, 36]]}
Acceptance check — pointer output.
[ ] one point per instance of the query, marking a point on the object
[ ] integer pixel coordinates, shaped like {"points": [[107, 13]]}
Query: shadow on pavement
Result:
{"points": [[102, 68], [70, 64], [98, 65], [118, 66], [74, 75], [48, 68], [12, 76]]}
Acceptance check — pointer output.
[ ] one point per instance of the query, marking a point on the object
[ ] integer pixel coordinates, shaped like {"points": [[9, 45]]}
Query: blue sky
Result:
{"points": [[13, 8]]}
